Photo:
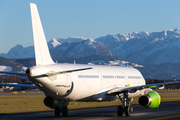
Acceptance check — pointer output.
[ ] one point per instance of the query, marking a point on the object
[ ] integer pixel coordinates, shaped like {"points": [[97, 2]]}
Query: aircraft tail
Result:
{"points": [[42, 54]]}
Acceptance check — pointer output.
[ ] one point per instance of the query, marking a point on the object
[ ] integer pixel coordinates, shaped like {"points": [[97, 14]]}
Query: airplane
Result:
{"points": [[62, 82]]}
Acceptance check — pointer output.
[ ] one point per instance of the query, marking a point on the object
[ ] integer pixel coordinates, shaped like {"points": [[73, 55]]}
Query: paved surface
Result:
{"points": [[166, 111]]}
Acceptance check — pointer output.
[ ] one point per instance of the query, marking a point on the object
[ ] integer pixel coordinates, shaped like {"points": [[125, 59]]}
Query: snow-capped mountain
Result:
{"points": [[83, 48], [9, 65], [70, 47], [56, 42], [5, 68], [19, 52], [143, 47], [146, 48], [117, 41], [157, 48]]}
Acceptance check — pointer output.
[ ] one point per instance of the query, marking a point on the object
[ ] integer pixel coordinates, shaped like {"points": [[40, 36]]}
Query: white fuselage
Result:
{"points": [[86, 85]]}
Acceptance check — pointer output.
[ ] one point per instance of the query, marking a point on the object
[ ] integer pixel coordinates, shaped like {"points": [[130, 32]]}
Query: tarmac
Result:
{"points": [[166, 111]]}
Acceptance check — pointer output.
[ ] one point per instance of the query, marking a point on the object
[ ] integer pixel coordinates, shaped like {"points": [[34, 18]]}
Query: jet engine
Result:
{"points": [[150, 100], [50, 102]]}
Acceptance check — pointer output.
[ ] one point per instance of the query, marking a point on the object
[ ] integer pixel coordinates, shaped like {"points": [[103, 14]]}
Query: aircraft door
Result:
{"points": [[67, 78], [100, 79], [122, 79], [68, 81]]}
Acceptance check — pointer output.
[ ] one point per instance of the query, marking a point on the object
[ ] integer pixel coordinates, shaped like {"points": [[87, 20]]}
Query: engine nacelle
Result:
{"points": [[50, 102], [150, 100]]}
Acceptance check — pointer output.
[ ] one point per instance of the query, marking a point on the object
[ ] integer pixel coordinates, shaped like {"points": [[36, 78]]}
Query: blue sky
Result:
{"points": [[84, 18]]}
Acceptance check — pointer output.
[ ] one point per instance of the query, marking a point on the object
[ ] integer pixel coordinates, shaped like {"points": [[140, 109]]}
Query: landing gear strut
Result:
{"points": [[126, 107], [62, 108]]}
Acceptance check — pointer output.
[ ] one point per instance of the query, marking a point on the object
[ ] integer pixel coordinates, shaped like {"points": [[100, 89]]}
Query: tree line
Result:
{"points": [[10, 79], [175, 86]]}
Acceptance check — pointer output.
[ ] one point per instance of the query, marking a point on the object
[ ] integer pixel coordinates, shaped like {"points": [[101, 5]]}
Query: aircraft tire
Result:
{"points": [[65, 111], [128, 110], [57, 111], [119, 110]]}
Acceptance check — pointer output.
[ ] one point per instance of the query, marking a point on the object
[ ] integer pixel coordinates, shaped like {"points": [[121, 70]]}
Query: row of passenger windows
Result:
{"points": [[88, 76], [108, 76], [134, 77]]}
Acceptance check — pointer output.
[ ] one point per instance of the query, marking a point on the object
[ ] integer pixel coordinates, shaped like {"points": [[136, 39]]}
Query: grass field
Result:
{"points": [[34, 103]]}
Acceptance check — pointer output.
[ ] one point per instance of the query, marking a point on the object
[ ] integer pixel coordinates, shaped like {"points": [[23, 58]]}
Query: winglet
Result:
{"points": [[42, 54]]}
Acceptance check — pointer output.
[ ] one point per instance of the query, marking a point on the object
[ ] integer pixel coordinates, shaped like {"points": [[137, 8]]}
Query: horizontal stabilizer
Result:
{"points": [[18, 85], [68, 71], [13, 73], [62, 72]]}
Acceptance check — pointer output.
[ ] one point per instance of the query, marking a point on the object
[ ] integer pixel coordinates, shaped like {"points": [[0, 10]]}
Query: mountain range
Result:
{"points": [[146, 48], [157, 49], [143, 47], [71, 47]]}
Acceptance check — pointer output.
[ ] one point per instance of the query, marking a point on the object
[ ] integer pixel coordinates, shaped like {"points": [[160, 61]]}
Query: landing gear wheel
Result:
{"points": [[128, 110], [65, 111], [126, 107], [57, 111], [119, 110]]}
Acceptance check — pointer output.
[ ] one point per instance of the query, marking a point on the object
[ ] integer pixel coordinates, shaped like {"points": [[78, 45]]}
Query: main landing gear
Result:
{"points": [[126, 107], [62, 108]]}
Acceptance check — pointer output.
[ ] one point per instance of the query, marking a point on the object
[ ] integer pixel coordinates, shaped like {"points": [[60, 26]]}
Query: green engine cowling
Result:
{"points": [[150, 100]]}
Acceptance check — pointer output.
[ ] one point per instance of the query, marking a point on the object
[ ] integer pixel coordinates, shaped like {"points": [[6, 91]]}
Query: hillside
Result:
{"points": [[158, 52], [15, 65]]}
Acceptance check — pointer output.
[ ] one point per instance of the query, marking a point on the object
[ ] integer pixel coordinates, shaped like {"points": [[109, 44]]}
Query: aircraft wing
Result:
{"points": [[119, 90], [18, 85]]}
